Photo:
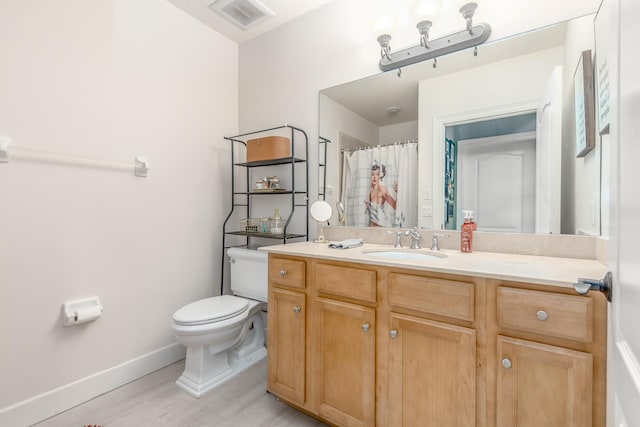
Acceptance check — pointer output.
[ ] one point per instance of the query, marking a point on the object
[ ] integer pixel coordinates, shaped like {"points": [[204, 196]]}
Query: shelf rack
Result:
{"points": [[242, 192], [323, 143]]}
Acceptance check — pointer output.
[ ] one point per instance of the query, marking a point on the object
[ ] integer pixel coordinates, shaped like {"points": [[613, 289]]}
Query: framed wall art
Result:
{"points": [[584, 105], [601, 68]]}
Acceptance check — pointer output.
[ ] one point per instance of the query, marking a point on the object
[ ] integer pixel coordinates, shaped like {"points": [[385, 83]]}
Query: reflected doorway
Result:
{"points": [[490, 168]]}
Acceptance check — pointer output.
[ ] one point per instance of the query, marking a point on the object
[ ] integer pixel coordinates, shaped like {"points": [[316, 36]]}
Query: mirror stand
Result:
{"points": [[320, 211], [320, 238]]}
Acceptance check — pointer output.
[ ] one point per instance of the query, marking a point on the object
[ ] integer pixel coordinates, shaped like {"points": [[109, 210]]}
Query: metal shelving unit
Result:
{"points": [[296, 168], [323, 143]]}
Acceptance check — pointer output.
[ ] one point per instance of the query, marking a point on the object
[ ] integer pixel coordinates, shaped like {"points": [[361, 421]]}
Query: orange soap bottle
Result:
{"points": [[466, 235]]}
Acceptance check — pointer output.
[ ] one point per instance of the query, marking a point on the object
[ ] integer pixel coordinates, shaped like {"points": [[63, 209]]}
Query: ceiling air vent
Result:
{"points": [[244, 13]]}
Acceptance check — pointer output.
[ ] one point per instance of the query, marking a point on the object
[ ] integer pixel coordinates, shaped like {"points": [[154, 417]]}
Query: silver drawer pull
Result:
{"points": [[506, 363], [365, 327], [542, 315], [283, 273], [296, 309], [393, 333]]}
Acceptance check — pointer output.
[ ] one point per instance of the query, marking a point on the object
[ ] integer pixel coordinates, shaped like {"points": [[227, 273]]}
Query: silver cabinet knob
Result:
{"points": [[365, 327], [283, 272], [393, 333], [296, 309], [506, 363], [542, 315]]}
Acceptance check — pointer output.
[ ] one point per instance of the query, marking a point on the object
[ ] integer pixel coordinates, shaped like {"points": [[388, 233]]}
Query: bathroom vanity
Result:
{"points": [[482, 339]]}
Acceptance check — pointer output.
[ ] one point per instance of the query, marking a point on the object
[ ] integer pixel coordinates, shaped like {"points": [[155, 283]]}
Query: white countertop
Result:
{"points": [[525, 268]]}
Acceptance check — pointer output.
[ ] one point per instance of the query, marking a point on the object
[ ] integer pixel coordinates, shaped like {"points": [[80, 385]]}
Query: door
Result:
{"points": [[624, 242], [286, 344], [344, 354], [543, 385], [496, 179], [432, 373]]}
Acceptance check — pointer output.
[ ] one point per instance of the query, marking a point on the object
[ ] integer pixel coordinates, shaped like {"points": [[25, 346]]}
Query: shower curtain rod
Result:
{"points": [[409, 141]]}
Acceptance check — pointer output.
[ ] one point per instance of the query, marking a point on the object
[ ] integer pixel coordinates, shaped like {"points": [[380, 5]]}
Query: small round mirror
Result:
{"points": [[321, 212]]}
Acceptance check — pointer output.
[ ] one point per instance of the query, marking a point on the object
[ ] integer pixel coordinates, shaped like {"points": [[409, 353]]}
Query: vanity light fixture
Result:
{"points": [[385, 48], [423, 28], [472, 35]]}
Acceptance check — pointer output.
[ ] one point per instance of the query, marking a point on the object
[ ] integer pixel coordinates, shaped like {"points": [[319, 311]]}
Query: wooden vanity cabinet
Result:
{"points": [[431, 351], [540, 384], [551, 352], [365, 345], [343, 375], [344, 344], [286, 326]]}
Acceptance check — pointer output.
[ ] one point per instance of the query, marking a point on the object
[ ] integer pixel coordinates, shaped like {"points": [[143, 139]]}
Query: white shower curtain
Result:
{"points": [[390, 202]]}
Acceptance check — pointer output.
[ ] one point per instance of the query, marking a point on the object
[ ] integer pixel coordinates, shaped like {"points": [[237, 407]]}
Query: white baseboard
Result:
{"points": [[45, 405]]}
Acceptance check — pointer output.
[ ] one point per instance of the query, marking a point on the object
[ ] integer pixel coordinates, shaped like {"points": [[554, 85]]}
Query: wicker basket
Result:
{"points": [[254, 225]]}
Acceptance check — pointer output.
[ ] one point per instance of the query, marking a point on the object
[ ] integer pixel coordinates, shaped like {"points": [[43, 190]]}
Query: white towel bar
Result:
{"points": [[140, 166]]}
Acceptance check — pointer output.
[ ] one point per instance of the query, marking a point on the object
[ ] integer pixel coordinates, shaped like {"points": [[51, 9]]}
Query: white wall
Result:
{"points": [[580, 176], [107, 79], [340, 119], [400, 132], [282, 71]]}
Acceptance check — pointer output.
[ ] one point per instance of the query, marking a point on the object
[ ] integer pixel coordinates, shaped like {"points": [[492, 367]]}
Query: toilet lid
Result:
{"points": [[210, 310]]}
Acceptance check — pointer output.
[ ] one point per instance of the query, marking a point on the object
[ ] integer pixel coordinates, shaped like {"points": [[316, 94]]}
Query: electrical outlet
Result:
{"points": [[427, 194], [427, 211]]}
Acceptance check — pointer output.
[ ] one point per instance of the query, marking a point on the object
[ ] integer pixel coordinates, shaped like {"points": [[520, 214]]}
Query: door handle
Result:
{"points": [[604, 285]]}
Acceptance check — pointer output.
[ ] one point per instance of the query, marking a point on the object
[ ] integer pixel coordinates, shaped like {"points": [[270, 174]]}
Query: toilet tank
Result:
{"points": [[249, 274]]}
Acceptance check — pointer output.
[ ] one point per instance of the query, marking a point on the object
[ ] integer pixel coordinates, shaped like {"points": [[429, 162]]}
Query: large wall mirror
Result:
{"points": [[491, 132]]}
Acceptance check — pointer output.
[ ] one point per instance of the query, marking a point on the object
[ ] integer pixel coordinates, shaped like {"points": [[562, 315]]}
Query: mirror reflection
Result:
{"points": [[492, 133]]}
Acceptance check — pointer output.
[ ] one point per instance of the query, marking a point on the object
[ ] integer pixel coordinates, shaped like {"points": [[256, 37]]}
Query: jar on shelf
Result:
{"points": [[276, 224]]}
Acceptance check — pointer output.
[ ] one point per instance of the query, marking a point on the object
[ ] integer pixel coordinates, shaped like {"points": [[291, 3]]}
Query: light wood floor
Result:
{"points": [[155, 400]]}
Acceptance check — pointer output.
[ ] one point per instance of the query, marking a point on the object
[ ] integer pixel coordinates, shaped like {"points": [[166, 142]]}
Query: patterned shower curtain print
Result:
{"points": [[380, 186]]}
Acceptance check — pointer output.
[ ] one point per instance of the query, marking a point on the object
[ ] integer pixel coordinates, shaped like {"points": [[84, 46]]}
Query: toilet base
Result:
{"points": [[205, 371], [197, 388]]}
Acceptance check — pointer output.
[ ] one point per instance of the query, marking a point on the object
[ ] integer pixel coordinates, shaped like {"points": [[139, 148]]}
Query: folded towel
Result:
{"points": [[346, 244]]}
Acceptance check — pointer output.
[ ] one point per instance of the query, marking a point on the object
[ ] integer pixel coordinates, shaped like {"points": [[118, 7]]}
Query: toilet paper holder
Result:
{"points": [[81, 311]]}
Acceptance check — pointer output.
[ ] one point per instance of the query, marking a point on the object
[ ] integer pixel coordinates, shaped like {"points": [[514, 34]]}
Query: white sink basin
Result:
{"points": [[409, 254]]}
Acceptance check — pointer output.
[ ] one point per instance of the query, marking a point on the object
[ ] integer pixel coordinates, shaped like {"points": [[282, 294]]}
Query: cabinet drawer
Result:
{"points": [[349, 282], [287, 272], [546, 313], [449, 298]]}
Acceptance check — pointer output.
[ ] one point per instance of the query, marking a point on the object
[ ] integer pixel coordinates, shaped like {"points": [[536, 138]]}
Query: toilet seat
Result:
{"points": [[211, 310]]}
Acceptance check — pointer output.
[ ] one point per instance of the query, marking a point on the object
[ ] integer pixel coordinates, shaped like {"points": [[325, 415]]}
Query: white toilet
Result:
{"points": [[225, 334]]}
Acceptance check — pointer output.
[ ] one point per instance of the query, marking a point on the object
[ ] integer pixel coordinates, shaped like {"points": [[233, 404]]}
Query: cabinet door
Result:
{"points": [[543, 385], [432, 373], [286, 344], [344, 363]]}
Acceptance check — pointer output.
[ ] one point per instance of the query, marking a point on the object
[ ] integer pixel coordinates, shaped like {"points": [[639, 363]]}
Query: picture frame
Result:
{"points": [[584, 105], [601, 69]]}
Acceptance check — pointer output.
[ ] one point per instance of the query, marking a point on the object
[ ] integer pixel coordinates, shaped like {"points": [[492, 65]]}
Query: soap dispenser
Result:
{"points": [[467, 229]]}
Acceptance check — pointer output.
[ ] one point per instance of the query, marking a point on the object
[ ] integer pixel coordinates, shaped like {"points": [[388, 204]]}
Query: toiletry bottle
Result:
{"points": [[276, 222], [467, 229]]}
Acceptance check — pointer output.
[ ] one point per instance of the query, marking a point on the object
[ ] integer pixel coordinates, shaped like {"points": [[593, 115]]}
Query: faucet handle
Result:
{"points": [[434, 240], [398, 234], [413, 232]]}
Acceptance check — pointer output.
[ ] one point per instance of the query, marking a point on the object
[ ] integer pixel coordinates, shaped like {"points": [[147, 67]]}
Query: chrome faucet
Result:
{"points": [[415, 237], [434, 241], [398, 234]]}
